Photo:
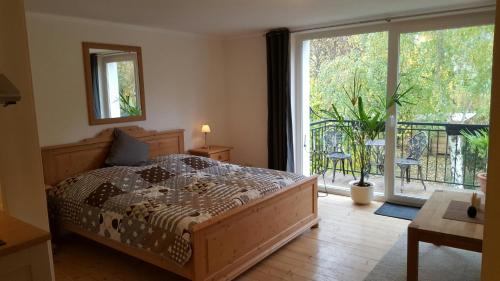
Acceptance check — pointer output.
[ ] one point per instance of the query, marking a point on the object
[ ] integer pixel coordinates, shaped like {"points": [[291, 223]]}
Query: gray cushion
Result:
{"points": [[127, 151]]}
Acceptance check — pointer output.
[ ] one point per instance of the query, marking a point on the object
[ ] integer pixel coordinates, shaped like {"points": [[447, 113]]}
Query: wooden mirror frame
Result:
{"points": [[93, 120]]}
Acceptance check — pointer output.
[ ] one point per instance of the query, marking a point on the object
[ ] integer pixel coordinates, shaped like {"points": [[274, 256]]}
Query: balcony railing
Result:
{"points": [[447, 158]]}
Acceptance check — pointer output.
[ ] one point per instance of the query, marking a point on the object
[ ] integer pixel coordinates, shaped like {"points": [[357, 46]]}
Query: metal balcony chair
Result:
{"points": [[333, 141], [415, 148]]}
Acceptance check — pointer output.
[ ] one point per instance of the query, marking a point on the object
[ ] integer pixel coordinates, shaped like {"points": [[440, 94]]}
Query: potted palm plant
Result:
{"points": [[360, 124], [478, 141]]}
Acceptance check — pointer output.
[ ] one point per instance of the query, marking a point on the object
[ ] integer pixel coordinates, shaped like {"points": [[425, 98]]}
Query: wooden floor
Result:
{"points": [[347, 245]]}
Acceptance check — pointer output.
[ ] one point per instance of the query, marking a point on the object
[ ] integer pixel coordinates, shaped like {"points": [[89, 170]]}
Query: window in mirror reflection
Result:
{"points": [[115, 83]]}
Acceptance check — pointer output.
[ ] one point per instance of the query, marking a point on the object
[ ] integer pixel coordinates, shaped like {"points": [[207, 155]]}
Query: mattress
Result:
{"points": [[154, 207]]}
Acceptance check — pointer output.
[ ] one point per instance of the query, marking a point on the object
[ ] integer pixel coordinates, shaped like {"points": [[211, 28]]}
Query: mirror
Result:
{"points": [[114, 83]]}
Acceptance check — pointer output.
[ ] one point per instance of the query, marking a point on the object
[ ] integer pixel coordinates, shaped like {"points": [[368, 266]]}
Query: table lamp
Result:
{"points": [[205, 129]]}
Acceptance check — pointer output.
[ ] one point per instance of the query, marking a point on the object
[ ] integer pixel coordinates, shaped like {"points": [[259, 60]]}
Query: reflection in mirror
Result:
{"points": [[114, 83]]}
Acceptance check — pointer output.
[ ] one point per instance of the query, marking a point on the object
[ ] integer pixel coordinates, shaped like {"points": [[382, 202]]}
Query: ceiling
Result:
{"points": [[236, 17]]}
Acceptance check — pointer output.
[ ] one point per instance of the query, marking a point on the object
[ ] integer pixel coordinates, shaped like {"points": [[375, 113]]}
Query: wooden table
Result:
{"points": [[19, 235], [26, 256], [429, 226]]}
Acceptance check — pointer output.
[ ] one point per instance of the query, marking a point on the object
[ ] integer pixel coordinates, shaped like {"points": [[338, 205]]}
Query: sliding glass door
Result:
{"points": [[447, 63], [450, 70], [333, 62]]}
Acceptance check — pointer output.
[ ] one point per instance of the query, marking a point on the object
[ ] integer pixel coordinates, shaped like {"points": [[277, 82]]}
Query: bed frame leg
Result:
{"points": [[316, 225]]}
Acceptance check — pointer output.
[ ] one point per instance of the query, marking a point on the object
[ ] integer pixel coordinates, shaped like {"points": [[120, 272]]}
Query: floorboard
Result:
{"points": [[347, 245]]}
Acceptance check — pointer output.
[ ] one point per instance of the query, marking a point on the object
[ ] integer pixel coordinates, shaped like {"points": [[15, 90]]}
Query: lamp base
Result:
{"points": [[206, 145]]}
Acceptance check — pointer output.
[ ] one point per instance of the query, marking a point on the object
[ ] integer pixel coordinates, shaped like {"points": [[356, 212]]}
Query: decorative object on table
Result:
{"points": [[471, 211], [366, 124], [475, 201], [478, 141], [459, 211], [9, 94], [415, 148], [475, 205], [205, 129]]}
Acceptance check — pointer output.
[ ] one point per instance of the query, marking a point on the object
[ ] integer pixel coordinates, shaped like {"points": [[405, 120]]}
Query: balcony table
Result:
{"points": [[377, 142]]}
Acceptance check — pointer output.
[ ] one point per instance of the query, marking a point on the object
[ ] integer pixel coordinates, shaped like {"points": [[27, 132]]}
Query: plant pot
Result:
{"points": [[481, 177], [361, 195]]}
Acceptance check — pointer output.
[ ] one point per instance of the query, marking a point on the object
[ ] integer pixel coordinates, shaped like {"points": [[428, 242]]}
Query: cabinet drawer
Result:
{"points": [[221, 156]]}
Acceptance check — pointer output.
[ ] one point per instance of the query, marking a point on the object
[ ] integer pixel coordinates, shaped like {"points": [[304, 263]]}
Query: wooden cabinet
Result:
{"points": [[26, 256], [216, 152]]}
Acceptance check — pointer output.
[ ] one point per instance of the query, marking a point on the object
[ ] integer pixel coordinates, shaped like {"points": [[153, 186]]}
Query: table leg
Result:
{"points": [[412, 256]]}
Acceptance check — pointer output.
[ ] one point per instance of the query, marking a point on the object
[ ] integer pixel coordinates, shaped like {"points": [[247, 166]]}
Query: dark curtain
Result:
{"points": [[280, 135], [94, 69]]}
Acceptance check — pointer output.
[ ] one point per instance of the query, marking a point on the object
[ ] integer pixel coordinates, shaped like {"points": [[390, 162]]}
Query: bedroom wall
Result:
{"points": [[21, 181], [246, 88], [183, 78], [20, 160]]}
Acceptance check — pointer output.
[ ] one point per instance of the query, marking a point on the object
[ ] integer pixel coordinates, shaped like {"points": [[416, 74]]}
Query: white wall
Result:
{"points": [[188, 79], [23, 195], [183, 78], [246, 88], [22, 189]]}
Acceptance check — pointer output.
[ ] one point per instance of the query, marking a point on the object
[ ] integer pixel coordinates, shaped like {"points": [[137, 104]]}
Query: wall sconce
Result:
{"points": [[9, 94]]}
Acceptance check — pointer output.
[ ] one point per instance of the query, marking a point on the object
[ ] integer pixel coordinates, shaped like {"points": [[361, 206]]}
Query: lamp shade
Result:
{"points": [[205, 129]]}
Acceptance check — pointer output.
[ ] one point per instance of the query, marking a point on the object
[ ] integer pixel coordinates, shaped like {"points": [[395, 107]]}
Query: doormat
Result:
{"points": [[397, 211]]}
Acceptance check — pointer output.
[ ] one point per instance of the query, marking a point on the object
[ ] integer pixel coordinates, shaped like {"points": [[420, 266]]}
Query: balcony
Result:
{"points": [[447, 161]]}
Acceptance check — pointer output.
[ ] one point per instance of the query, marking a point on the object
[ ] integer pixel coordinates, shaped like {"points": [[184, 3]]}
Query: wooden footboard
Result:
{"points": [[227, 245]]}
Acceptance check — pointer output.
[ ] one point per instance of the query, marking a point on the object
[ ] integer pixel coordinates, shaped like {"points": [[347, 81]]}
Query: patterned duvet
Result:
{"points": [[154, 207]]}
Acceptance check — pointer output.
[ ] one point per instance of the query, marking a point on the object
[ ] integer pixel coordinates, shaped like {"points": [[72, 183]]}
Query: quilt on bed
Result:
{"points": [[154, 207]]}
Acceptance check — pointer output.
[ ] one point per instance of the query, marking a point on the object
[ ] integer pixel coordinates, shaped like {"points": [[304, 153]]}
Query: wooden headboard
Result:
{"points": [[63, 161]]}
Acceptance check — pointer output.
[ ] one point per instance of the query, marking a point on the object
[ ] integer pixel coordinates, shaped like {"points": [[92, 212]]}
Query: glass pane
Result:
{"points": [[113, 90], [333, 63], [115, 84], [122, 89], [450, 71], [127, 83]]}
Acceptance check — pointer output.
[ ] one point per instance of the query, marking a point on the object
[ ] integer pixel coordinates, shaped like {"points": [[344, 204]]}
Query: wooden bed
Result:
{"points": [[224, 246]]}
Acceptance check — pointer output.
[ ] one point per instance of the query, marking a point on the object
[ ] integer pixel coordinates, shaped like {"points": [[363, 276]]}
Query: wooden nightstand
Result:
{"points": [[217, 152]]}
